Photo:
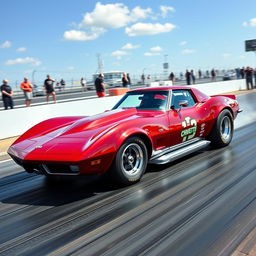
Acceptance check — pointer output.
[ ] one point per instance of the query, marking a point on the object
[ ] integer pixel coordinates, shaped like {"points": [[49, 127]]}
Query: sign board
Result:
{"points": [[166, 65], [250, 45]]}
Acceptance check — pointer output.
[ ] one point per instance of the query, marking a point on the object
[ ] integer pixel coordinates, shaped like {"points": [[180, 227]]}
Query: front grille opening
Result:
{"points": [[61, 169]]}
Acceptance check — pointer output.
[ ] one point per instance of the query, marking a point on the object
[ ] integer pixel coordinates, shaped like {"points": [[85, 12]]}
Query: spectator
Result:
{"points": [[188, 77], [254, 73], [49, 88], [172, 77], [248, 77], [199, 74], [213, 74], [7, 94], [238, 74], [62, 83], [27, 88], [83, 84], [207, 74], [143, 78], [193, 76], [100, 86], [181, 75], [242, 72], [129, 79], [125, 81]]}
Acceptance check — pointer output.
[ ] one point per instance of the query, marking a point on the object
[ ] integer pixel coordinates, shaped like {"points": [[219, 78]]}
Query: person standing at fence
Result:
{"points": [[172, 77], [143, 79], [27, 88], [213, 74], [248, 78], [83, 84], [188, 77], [7, 94], [49, 88], [125, 81], [193, 76], [100, 86], [199, 74], [62, 83], [254, 74], [129, 79]]}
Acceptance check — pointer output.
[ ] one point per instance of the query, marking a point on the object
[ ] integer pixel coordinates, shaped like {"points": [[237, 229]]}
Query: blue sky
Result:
{"points": [[63, 37]]}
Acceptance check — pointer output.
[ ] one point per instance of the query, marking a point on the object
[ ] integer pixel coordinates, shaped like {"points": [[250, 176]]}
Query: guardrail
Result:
{"points": [[16, 121]]}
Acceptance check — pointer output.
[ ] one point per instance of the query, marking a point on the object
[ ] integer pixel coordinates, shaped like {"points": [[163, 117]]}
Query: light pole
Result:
{"points": [[33, 76]]}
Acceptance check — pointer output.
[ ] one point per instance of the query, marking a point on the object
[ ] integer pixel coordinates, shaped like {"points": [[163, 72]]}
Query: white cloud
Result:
{"points": [[113, 16], [250, 23], [156, 49], [26, 60], [165, 9], [226, 55], [140, 29], [28, 71], [149, 54], [77, 35], [130, 46], [119, 54], [71, 68], [188, 51], [6, 44], [21, 49], [183, 43]]}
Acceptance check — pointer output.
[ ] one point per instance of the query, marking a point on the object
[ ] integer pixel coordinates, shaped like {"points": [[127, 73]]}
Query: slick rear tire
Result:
{"points": [[223, 129], [130, 162]]}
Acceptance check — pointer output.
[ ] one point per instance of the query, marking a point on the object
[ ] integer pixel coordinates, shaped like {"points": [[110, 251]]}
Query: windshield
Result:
{"points": [[144, 100]]}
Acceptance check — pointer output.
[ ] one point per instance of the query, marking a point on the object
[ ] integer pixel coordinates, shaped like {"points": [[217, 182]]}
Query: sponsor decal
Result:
{"points": [[190, 128]]}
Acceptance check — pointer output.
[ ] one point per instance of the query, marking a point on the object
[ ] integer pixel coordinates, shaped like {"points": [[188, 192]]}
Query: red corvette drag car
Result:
{"points": [[149, 125]]}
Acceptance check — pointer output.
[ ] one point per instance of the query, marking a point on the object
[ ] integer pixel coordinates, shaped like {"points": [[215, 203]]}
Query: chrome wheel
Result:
{"points": [[225, 129], [130, 162], [132, 159]]}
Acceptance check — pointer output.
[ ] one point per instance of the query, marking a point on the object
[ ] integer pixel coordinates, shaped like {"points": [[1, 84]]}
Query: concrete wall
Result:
{"points": [[16, 121]]}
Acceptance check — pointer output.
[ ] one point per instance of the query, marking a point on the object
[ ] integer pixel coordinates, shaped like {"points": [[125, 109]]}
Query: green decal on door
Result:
{"points": [[190, 126]]}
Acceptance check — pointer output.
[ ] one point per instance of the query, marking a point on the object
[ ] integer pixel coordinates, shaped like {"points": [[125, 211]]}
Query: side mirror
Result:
{"points": [[183, 103]]}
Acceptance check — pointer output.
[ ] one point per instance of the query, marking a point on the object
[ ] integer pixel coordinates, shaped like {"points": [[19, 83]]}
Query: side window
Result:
{"points": [[179, 96]]}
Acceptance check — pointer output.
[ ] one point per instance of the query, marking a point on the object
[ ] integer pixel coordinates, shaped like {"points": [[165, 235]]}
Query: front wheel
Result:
{"points": [[130, 162], [222, 132]]}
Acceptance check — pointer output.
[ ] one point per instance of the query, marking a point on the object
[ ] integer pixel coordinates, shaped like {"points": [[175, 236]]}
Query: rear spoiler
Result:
{"points": [[231, 96]]}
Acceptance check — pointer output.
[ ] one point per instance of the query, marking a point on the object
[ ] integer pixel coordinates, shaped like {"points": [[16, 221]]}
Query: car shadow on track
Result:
{"points": [[39, 190]]}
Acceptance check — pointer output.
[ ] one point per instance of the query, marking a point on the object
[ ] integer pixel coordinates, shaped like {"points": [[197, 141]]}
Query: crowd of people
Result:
{"points": [[191, 77], [27, 87], [248, 73]]}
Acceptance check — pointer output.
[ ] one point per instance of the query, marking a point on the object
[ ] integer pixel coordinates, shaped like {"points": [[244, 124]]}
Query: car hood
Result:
{"points": [[66, 142]]}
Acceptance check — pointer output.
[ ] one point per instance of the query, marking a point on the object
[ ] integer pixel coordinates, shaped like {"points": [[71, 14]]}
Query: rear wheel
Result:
{"points": [[130, 162], [222, 132]]}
